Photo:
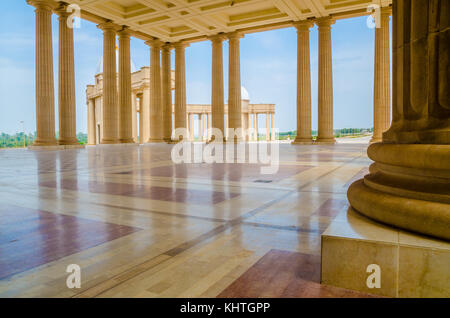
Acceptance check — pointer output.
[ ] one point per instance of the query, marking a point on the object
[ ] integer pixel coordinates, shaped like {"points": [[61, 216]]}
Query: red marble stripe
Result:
{"points": [[285, 274], [221, 171], [30, 238], [143, 191]]}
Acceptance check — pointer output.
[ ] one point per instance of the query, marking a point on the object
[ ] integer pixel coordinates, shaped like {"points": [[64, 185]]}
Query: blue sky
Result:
{"points": [[268, 70]]}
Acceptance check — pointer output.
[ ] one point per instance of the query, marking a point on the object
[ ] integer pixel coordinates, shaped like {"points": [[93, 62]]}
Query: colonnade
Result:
{"points": [[117, 99]]}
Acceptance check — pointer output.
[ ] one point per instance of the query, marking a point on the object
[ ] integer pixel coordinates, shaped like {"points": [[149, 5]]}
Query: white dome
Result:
{"points": [[100, 65], [244, 94]]}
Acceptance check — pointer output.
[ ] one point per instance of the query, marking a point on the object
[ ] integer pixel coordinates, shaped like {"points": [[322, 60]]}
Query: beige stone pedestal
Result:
{"points": [[410, 265]]}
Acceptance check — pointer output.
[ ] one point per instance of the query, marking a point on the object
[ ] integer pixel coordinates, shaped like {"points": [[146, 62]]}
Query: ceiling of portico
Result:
{"points": [[194, 20]]}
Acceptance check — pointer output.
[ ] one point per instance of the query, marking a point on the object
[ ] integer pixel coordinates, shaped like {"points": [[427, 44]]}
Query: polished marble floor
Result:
{"points": [[139, 225]]}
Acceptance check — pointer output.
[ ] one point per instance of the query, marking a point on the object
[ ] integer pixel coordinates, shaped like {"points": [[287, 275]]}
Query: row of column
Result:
{"points": [[205, 123], [45, 100], [117, 105], [325, 81]]}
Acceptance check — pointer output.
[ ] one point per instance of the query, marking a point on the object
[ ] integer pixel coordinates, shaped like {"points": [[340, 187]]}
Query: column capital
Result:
{"points": [[303, 25], [234, 35], [61, 10], [217, 38], [167, 47], [180, 45], [386, 11], [325, 22], [43, 4], [109, 26], [125, 32], [155, 43]]}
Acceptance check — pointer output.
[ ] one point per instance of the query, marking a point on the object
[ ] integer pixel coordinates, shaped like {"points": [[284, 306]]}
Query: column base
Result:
{"points": [[127, 141], [109, 141], [302, 141], [407, 187], [325, 141], [68, 142], [152, 140]]}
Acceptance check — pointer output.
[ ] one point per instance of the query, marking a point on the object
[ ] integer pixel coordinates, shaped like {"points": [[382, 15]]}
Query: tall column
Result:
{"points": [[110, 109], [255, 122], [125, 103], [250, 126], [144, 115], [408, 182], [134, 116], [156, 106], [217, 93], [234, 85], [382, 81], [272, 128], [45, 98], [303, 84], [191, 127], [209, 126], [180, 86], [91, 122], [325, 100], [166, 75], [267, 127], [66, 77]]}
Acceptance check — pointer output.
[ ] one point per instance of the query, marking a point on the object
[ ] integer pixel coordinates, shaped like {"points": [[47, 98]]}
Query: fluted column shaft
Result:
{"points": [[234, 84], [217, 93], [382, 80], [272, 130], [66, 78], [325, 98], [303, 83], [134, 117], [166, 92], [180, 86], [110, 103], [156, 106], [91, 122], [45, 98], [125, 103]]}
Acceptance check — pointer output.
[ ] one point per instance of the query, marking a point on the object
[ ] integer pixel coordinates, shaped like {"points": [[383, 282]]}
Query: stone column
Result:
{"points": [[110, 109], [234, 84], [325, 100], [91, 122], [272, 130], [250, 126], [191, 127], [267, 127], [145, 115], [382, 81], [66, 78], [409, 181], [180, 86], [156, 106], [166, 75], [255, 123], [134, 116], [303, 84], [45, 98], [209, 126], [125, 103], [217, 93]]}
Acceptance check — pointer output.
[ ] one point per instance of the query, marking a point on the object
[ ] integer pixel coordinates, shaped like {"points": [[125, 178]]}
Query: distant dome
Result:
{"points": [[244, 94], [100, 65]]}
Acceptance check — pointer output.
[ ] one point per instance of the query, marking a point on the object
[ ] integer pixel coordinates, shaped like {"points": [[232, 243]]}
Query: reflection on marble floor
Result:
{"points": [[140, 226]]}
